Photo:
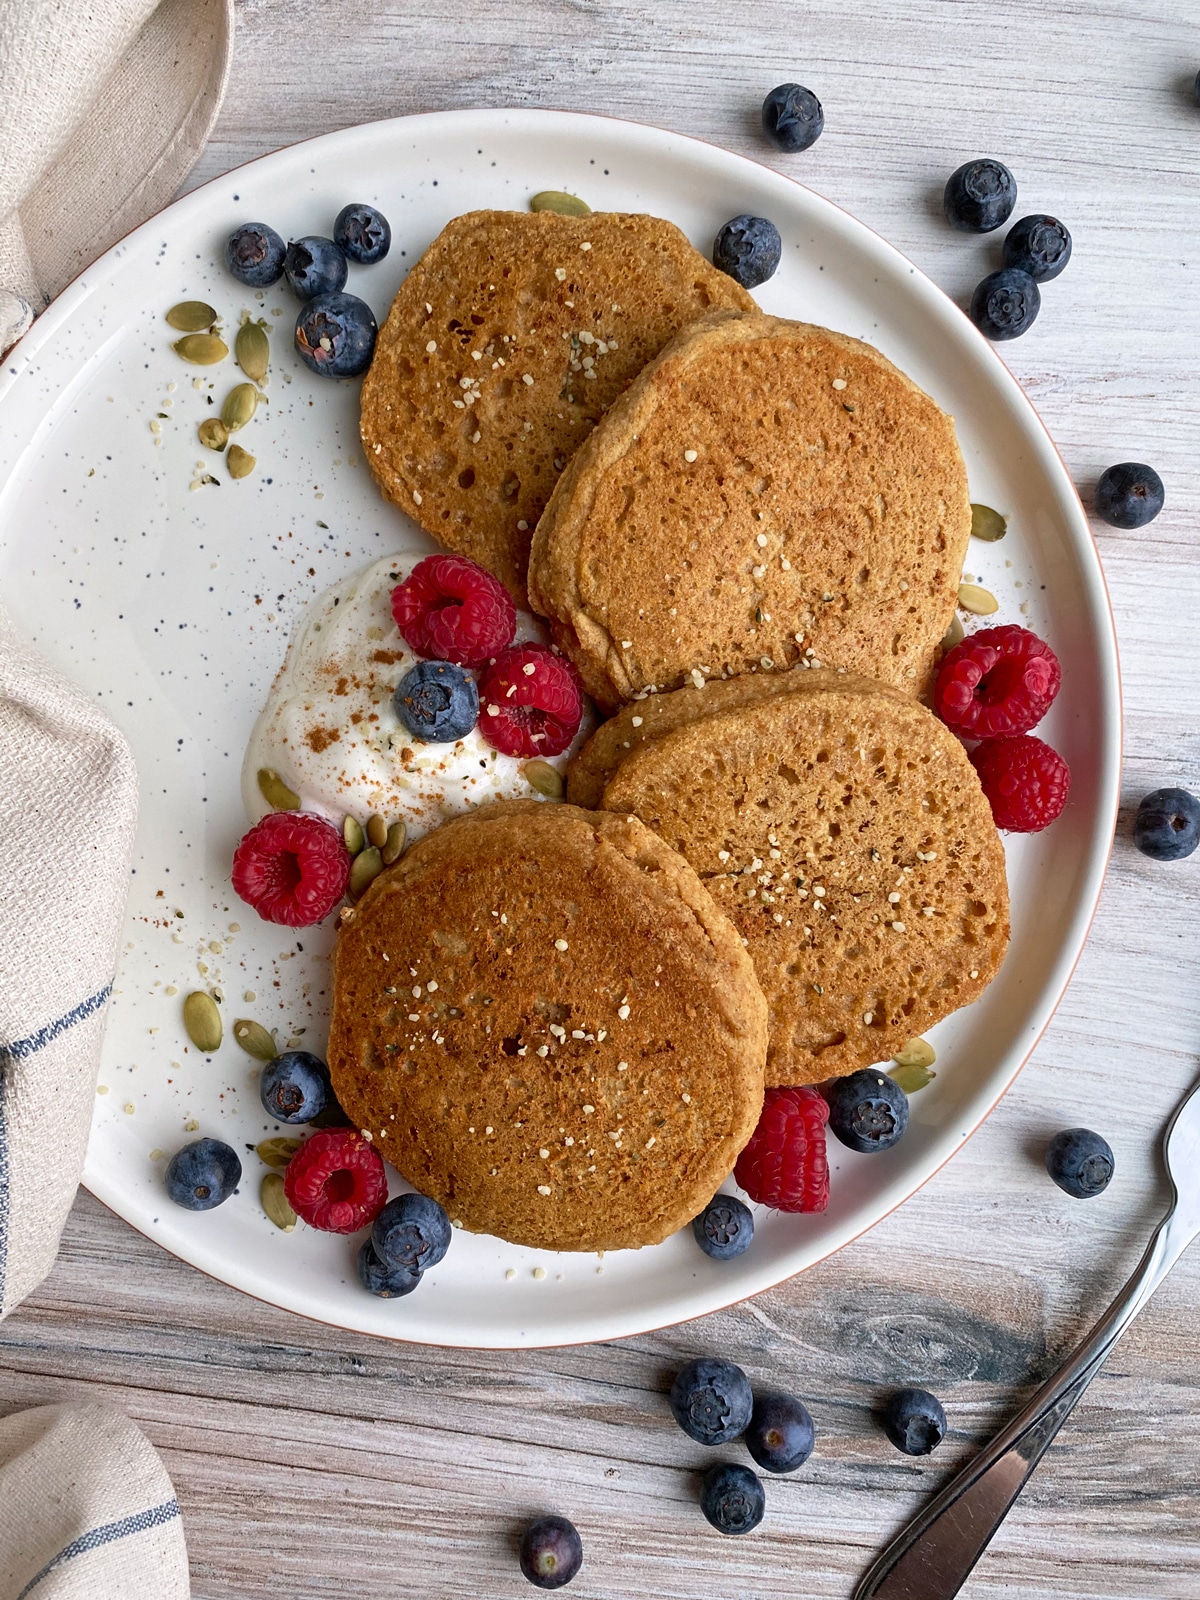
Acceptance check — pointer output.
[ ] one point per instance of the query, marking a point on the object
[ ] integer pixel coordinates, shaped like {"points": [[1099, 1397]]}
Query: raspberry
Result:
{"points": [[1025, 781], [997, 683], [530, 702], [336, 1181], [451, 609], [292, 867], [785, 1165]]}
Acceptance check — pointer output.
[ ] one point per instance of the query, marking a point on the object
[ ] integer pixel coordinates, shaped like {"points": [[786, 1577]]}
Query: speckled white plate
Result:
{"points": [[173, 606]]}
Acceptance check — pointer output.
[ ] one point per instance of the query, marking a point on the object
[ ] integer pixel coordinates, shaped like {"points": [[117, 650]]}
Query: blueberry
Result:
{"points": [[363, 234], [915, 1421], [295, 1087], [437, 701], [203, 1174], [724, 1228], [335, 335], [1167, 825], [1080, 1162], [314, 265], [711, 1401], [979, 196], [868, 1111], [411, 1231], [381, 1277], [792, 117], [748, 249], [732, 1498], [551, 1552], [1038, 245], [1129, 495], [780, 1435], [1005, 304], [254, 254]]}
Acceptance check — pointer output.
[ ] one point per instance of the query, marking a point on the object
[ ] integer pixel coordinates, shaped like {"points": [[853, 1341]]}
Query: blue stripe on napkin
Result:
{"points": [[154, 1518]]}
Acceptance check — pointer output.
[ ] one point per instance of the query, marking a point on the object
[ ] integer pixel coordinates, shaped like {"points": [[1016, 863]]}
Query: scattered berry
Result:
{"points": [[335, 335], [1026, 782], [997, 683], [781, 1434], [1080, 1162], [868, 1111], [295, 1087], [1005, 304], [363, 234], [1038, 245], [412, 1231], [1167, 825], [254, 254], [292, 867], [203, 1174], [725, 1228], [336, 1181], [1129, 495], [437, 702], [551, 1552], [785, 1165], [313, 266], [532, 702], [732, 1498], [381, 1278], [915, 1421], [979, 196], [792, 117], [711, 1401], [748, 249], [453, 609]]}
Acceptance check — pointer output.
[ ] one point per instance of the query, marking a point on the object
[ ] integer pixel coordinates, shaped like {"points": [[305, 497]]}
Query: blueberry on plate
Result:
{"points": [[381, 1277], [711, 1401], [335, 335], [313, 266], [868, 1111], [1038, 245], [915, 1421], [748, 249], [363, 234], [732, 1498], [979, 196], [1129, 495], [725, 1228], [203, 1174], [254, 254], [1005, 304], [792, 117], [551, 1552], [437, 701], [1080, 1162], [412, 1231], [295, 1087], [1167, 825], [781, 1434]]}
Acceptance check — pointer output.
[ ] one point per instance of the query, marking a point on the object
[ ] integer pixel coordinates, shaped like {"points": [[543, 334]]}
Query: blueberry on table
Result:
{"points": [[363, 234], [732, 1498], [295, 1087], [915, 1421], [1005, 304], [313, 266], [551, 1552], [1080, 1162], [1167, 825], [868, 1111], [254, 254], [203, 1174], [335, 335], [711, 1401], [381, 1277], [781, 1434], [792, 118], [979, 196], [1038, 245], [437, 701], [412, 1231], [748, 249], [725, 1228], [1129, 495]]}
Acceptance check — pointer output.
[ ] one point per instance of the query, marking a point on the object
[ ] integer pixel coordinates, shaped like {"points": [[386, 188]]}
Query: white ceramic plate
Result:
{"points": [[174, 607]]}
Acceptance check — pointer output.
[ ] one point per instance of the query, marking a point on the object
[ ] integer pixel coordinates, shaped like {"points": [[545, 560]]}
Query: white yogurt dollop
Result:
{"points": [[329, 728]]}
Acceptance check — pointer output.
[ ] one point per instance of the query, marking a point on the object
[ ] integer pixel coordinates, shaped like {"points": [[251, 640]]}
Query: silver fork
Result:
{"points": [[933, 1557]]}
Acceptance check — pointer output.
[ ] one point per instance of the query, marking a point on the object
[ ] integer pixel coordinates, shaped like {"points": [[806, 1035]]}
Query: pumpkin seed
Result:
{"points": [[955, 634], [394, 848], [254, 1039], [543, 778], [352, 833], [911, 1079], [202, 1021], [201, 349], [275, 792], [377, 831], [240, 462], [240, 405], [975, 598], [275, 1203], [368, 864], [214, 435], [915, 1053], [252, 350], [987, 524], [191, 316], [567, 205], [278, 1151]]}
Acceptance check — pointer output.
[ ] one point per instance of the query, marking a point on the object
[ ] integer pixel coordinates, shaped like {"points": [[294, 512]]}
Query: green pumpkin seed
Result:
{"points": [[202, 1021], [201, 349], [240, 462], [915, 1053], [987, 524], [543, 778], [973, 597], [191, 316], [368, 864], [567, 205], [240, 405], [377, 831], [277, 1152], [274, 1202], [252, 350], [352, 833], [394, 848], [274, 791], [214, 435], [254, 1039], [955, 634], [911, 1079]]}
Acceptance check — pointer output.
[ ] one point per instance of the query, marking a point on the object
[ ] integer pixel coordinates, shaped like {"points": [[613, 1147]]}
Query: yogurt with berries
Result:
{"points": [[332, 734]]}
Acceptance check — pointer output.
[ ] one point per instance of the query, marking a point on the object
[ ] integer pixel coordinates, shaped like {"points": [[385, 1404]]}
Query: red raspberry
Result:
{"points": [[785, 1165], [336, 1181], [1025, 781], [530, 702], [452, 609], [996, 683], [292, 867]]}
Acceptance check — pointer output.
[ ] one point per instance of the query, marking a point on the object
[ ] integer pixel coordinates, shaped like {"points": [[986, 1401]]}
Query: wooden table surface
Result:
{"points": [[315, 1463]]}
